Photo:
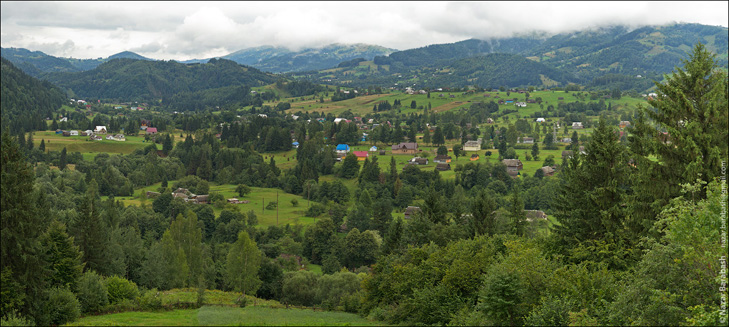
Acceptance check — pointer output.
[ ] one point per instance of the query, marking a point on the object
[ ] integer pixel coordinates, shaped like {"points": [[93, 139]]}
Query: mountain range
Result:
{"points": [[610, 57]]}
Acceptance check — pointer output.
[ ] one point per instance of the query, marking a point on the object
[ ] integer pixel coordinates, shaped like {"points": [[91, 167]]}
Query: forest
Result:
{"points": [[638, 229]]}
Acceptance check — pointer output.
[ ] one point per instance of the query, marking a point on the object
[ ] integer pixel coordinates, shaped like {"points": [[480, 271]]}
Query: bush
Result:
{"points": [[315, 210], [92, 293], [120, 289], [150, 300], [271, 205], [15, 320], [62, 306]]}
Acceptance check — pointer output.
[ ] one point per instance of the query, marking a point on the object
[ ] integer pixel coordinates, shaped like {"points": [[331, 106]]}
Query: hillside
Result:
{"points": [[26, 101], [128, 79], [35, 63], [617, 52]]}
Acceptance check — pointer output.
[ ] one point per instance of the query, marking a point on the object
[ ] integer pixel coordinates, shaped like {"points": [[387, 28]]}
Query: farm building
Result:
{"points": [[373, 149], [418, 161], [73, 133], [474, 157], [443, 167], [577, 125], [151, 130], [442, 159], [547, 170], [526, 140], [100, 130]]}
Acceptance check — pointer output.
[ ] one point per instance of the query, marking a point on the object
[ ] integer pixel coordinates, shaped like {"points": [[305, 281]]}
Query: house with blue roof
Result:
{"points": [[342, 148], [296, 145]]}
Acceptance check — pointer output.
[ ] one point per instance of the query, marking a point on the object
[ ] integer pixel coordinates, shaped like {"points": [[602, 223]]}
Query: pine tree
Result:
{"points": [[483, 218], [691, 107], [426, 136], [62, 161], [62, 255], [516, 213], [42, 145], [21, 261], [91, 233]]}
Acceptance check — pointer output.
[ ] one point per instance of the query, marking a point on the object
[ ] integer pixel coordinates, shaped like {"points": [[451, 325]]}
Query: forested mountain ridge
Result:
{"points": [[26, 101], [602, 58], [36, 63], [281, 59], [129, 79]]}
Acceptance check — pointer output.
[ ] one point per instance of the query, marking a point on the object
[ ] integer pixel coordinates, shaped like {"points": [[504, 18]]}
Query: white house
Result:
{"points": [[337, 120], [100, 130], [577, 125], [73, 133], [540, 120], [472, 146], [89, 132], [63, 119]]}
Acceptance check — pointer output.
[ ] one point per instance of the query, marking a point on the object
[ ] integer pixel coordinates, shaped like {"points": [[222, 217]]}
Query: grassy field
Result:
{"points": [[228, 316], [56, 142], [362, 105]]}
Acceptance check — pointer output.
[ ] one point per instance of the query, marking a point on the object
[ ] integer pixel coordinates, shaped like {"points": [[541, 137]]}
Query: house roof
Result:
{"points": [[361, 153], [151, 129], [405, 145], [342, 147], [439, 157], [512, 162]]}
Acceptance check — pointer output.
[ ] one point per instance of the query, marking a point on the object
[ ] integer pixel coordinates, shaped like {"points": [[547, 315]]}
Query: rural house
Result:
{"points": [[100, 130], [513, 166], [410, 211], [547, 170], [342, 148], [577, 125], [472, 146], [405, 148], [151, 130], [419, 161], [361, 155]]}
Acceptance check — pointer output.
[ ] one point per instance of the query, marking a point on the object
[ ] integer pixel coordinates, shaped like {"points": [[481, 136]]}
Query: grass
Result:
{"points": [[89, 149], [228, 316]]}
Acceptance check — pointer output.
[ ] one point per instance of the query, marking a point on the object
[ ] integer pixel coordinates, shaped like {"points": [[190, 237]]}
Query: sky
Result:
{"points": [[205, 29]]}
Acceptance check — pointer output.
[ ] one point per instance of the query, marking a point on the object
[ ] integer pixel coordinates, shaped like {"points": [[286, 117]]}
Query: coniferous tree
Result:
{"points": [[516, 213], [23, 269], [426, 136], [63, 257], [689, 137], [438, 138], [589, 203], [483, 218], [42, 145], [350, 167], [62, 161]]}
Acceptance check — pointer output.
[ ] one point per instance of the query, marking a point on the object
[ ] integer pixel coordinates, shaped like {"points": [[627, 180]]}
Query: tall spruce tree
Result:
{"points": [[686, 130], [23, 269], [590, 201]]}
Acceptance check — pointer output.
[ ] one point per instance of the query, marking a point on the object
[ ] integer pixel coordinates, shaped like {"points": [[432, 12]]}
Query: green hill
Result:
{"points": [[141, 80], [26, 101]]}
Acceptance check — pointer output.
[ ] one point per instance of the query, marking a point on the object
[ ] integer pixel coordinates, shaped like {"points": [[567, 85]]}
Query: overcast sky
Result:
{"points": [[187, 30]]}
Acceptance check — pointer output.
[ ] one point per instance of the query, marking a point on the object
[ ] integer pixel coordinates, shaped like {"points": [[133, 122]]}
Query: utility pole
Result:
{"points": [[276, 208], [263, 204]]}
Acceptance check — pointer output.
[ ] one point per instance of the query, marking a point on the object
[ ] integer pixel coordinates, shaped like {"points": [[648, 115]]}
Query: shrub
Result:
{"points": [[62, 306], [92, 293], [13, 319], [315, 210], [120, 289], [271, 205], [150, 300]]}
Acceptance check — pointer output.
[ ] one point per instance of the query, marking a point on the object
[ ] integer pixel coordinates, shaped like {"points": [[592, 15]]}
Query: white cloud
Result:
{"points": [[185, 30]]}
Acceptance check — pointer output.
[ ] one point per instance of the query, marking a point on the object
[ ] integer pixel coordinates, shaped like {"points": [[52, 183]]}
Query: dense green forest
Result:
{"points": [[633, 241], [141, 80], [26, 101]]}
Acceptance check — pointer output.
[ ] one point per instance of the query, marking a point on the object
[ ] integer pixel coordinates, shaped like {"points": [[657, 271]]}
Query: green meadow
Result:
{"points": [[228, 316]]}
